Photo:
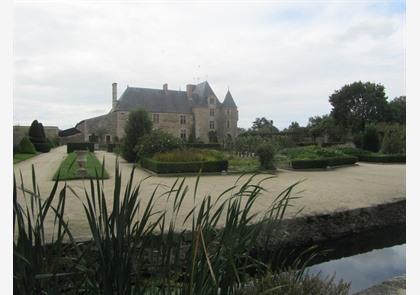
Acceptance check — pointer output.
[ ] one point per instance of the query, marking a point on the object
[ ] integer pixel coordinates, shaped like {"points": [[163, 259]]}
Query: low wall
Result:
{"points": [[313, 229]]}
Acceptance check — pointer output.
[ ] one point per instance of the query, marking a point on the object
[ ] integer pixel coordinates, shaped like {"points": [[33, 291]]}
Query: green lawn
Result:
{"points": [[22, 157], [69, 167]]}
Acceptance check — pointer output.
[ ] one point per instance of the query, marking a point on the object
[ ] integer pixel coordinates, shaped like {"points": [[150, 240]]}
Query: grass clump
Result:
{"points": [[22, 157], [68, 168]]}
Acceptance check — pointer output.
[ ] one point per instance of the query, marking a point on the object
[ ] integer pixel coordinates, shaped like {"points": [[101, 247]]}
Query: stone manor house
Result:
{"points": [[196, 113]]}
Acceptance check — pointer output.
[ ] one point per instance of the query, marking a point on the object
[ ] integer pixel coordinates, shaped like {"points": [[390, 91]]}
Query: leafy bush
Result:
{"points": [[394, 140], [265, 152], [353, 151], [215, 146], [189, 155], [184, 167], [37, 137], [383, 158], [311, 152], [338, 161], [26, 146], [157, 141], [138, 125], [16, 149], [371, 140], [81, 146], [358, 140], [309, 164]]}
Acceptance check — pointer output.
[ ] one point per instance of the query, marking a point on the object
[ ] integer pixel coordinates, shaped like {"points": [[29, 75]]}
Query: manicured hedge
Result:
{"points": [[337, 161], [43, 147], [302, 144], [383, 158], [309, 164], [203, 145], [26, 146], [329, 144], [74, 146], [184, 167]]}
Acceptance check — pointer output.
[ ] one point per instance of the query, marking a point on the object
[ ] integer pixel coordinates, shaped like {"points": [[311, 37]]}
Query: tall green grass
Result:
{"points": [[137, 249]]}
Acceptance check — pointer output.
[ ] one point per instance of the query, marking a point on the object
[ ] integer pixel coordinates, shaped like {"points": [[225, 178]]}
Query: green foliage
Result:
{"points": [[287, 283], [296, 131], [37, 137], [157, 141], [309, 164], [130, 238], [378, 158], [80, 146], [356, 152], [358, 139], [265, 154], [326, 126], [371, 141], [21, 157], [184, 167], [394, 140], [263, 125], [358, 104], [68, 168], [16, 149], [397, 112], [138, 125], [214, 146], [339, 161], [311, 152], [189, 155], [26, 146]]}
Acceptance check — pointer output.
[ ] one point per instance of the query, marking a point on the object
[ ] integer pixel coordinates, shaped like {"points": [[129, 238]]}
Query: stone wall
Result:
{"points": [[100, 126]]}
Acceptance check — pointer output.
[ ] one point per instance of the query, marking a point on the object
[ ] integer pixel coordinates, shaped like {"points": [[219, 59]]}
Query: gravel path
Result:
{"points": [[344, 188]]}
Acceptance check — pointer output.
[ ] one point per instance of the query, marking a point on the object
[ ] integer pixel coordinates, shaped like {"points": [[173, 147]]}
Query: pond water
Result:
{"points": [[364, 259], [367, 269]]}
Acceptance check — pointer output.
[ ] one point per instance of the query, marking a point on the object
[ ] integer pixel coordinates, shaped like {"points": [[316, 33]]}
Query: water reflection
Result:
{"points": [[367, 269]]}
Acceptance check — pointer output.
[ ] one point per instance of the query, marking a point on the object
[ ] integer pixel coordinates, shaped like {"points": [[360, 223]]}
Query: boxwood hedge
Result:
{"points": [[214, 146], [184, 167], [74, 146], [309, 164], [338, 161], [383, 158]]}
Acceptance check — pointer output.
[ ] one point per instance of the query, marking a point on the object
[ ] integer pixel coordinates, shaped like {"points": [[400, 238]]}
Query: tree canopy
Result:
{"points": [[358, 104], [263, 125], [397, 110], [138, 125]]}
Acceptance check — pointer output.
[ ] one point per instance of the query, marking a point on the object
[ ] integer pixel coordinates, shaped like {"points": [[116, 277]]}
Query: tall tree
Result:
{"points": [[37, 137], [263, 125], [138, 125], [358, 104], [397, 110]]}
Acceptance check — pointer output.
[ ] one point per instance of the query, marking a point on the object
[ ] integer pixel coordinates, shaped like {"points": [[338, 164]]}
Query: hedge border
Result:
{"points": [[309, 164], [215, 146], [339, 161], [184, 167], [383, 159], [73, 146]]}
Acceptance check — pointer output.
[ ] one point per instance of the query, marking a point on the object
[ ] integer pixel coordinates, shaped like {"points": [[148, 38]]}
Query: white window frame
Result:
{"points": [[183, 132], [211, 125], [183, 119]]}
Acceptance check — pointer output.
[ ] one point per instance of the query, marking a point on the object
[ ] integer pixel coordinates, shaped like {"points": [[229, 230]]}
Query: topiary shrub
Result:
{"points": [[16, 149], [37, 137], [26, 146], [265, 152], [138, 125], [371, 140], [157, 141], [393, 142]]}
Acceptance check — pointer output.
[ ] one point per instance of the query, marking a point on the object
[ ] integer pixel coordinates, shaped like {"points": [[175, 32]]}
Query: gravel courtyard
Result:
{"points": [[321, 191]]}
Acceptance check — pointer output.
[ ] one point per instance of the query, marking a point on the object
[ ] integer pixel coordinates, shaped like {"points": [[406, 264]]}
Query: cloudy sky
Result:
{"points": [[280, 59]]}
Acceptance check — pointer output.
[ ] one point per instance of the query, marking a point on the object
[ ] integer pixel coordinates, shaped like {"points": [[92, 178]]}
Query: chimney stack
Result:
{"points": [[165, 87], [114, 95], [190, 89]]}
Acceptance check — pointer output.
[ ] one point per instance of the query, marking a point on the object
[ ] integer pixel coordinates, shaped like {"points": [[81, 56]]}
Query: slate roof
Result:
{"points": [[68, 132], [229, 102], [170, 101]]}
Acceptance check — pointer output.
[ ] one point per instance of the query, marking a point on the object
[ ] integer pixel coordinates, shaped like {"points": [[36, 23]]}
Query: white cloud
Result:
{"points": [[280, 60]]}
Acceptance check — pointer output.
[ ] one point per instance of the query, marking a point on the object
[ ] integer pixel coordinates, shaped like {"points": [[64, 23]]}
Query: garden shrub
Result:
{"points": [[184, 167], [393, 142], [16, 149], [74, 146], [371, 140], [356, 152], [157, 141], [26, 146], [358, 140], [113, 147], [338, 161], [138, 125], [215, 146], [383, 158], [37, 137], [309, 164], [265, 152], [189, 155]]}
